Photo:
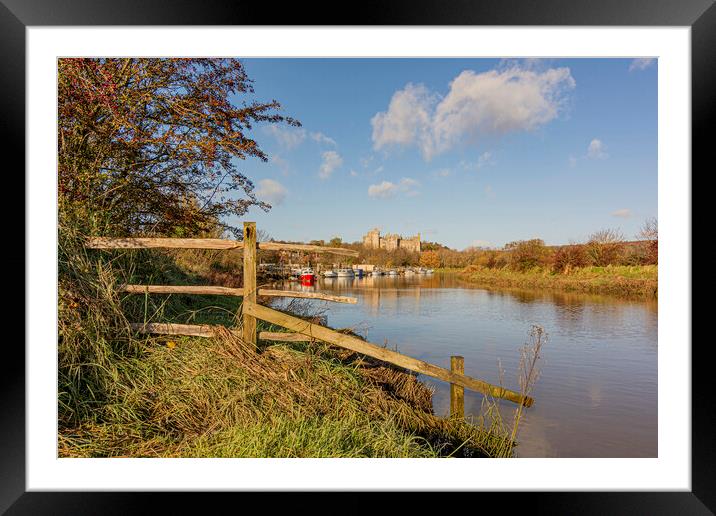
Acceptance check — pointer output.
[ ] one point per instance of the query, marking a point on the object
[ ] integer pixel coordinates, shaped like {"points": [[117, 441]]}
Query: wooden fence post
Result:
{"points": [[457, 392], [249, 321]]}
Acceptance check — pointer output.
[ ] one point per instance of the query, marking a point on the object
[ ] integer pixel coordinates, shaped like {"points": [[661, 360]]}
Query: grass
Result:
{"points": [[122, 394], [638, 281]]}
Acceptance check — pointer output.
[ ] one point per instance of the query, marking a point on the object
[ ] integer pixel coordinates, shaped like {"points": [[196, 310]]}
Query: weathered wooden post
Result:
{"points": [[457, 392], [249, 321]]}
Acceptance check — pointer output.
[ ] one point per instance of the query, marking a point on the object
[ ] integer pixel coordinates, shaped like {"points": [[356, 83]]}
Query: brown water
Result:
{"points": [[597, 392]]}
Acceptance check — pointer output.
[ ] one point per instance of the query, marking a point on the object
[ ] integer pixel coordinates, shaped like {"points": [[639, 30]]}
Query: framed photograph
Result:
{"points": [[416, 250]]}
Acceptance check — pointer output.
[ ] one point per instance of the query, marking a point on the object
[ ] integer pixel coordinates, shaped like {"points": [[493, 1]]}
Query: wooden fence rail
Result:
{"points": [[373, 350], [302, 330], [231, 291], [207, 243]]}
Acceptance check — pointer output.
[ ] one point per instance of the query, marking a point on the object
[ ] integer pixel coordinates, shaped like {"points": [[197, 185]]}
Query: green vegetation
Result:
{"points": [[148, 147], [131, 395], [635, 281]]}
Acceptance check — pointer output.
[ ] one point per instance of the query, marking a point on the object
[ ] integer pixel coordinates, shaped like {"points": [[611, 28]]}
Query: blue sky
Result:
{"points": [[463, 151]]}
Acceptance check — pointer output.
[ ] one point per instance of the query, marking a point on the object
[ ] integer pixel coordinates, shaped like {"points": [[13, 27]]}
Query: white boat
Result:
{"points": [[392, 272], [421, 270], [409, 271], [429, 271], [345, 273], [330, 274]]}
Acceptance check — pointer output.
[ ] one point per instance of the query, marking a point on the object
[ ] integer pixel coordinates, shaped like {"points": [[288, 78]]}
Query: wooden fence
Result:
{"points": [[301, 330]]}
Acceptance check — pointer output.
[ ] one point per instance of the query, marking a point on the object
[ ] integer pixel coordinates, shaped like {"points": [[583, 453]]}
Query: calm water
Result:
{"points": [[597, 392]]}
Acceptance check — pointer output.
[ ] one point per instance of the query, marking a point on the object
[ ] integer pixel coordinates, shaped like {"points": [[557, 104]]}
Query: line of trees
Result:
{"points": [[602, 248]]}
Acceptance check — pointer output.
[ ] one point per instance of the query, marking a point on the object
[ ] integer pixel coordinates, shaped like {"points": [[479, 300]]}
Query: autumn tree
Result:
{"points": [[569, 257], [650, 233], [527, 254], [605, 247], [153, 144], [430, 259]]}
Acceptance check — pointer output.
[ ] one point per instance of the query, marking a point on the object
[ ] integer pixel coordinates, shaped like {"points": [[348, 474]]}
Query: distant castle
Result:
{"points": [[373, 240]]}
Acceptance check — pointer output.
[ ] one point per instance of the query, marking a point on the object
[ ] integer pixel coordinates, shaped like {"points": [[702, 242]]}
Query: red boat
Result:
{"points": [[307, 276]]}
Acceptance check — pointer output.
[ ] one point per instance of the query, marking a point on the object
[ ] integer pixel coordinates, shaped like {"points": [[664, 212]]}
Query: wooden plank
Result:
{"points": [[182, 289], [278, 246], [372, 350], [457, 392], [206, 243], [228, 291], [192, 330], [205, 330], [162, 243], [284, 336], [308, 295], [248, 321]]}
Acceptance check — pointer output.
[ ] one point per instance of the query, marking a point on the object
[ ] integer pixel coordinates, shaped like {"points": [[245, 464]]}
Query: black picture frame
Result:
{"points": [[700, 15]]}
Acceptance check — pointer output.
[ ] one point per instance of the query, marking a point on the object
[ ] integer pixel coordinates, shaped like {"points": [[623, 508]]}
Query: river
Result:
{"points": [[596, 395]]}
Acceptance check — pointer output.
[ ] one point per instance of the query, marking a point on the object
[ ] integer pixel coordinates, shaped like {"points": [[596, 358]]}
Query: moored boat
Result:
{"points": [[345, 273], [330, 274], [307, 275]]}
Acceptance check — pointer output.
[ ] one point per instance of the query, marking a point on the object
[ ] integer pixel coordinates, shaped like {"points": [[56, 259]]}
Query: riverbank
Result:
{"points": [[218, 398], [123, 394], [638, 282]]}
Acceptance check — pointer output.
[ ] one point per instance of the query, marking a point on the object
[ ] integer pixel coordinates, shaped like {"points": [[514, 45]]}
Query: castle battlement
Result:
{"points": [[391, 241]]}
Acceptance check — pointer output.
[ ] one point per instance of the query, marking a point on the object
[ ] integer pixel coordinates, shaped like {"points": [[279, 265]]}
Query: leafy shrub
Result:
{"points": [[605, 247], [527, 254], [568, 257]]}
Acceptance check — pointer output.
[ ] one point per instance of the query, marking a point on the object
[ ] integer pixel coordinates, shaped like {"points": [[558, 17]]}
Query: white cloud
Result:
{"points": [[407, 120], [322, 138], [287, 137], [483, 160], [271, 191], [331, 161], [642, 63], [281, 163], [489, 103], [387, 189], [624, 213], [353, 173], [597, 150], [408, 182]]}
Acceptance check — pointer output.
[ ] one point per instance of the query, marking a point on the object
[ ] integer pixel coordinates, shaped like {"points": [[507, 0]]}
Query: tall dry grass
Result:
{"points": [[125, 394]]}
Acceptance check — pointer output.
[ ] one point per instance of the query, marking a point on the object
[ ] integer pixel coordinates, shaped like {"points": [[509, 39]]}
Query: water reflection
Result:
{"points": [[596, 396]]}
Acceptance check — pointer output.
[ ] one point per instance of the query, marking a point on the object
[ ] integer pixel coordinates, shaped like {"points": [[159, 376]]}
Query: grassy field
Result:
{"points": [[122, 394], [639, 281]]}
